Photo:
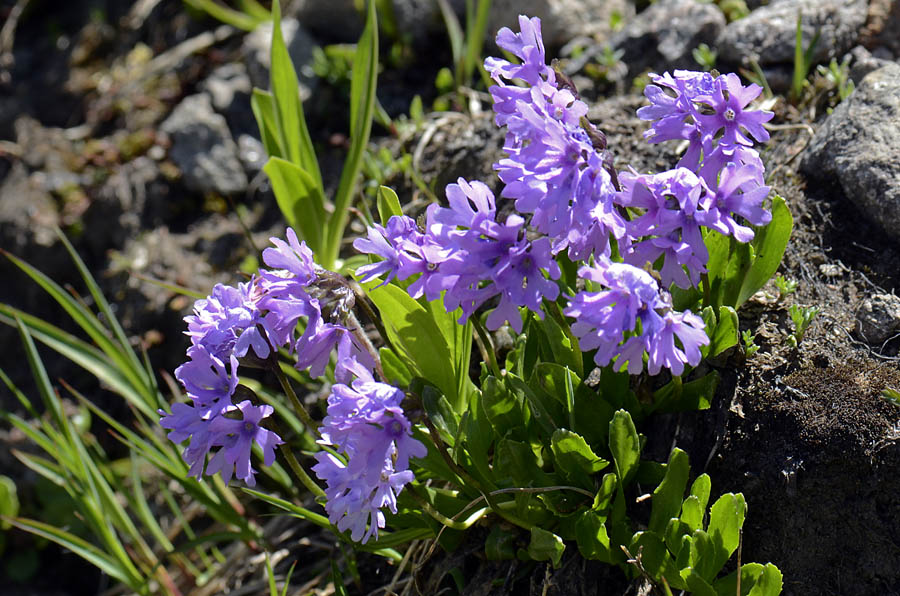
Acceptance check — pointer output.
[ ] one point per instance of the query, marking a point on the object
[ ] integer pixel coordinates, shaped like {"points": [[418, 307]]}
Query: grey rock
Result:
{"points": [[561, 20], [858, 147], [769, 32], [28, 213], [458, 145], [664, 36], [257, 47], [203, 149], [878, 318], [863, 62], [225, 83]]}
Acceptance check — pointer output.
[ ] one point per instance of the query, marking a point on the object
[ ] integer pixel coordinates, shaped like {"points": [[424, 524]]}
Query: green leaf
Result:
{"points": [[703, 556], [295, 510], [574, 456], [697, 585], [722, 334], [515, 460], [479, 438], [504, 409], [9, 500], [263, 105], [237, 19], [655, 559], [396, 372], [546, 546], [362, 108], [726, 517], [667, 497], [769, 245], [692, 513], [701, 489], [750, 573], [440, 413], [676, 530], [676, 396], [388, 204], [592, 538], [413, 331], [625, 446], [769, 583], [292, 130], [500, 544], [300, 200]]}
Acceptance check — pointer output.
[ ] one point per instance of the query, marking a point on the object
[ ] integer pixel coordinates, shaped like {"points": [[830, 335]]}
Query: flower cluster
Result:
{"points": [[467, 254], [633, 310], [365, 421], [253, 319], [719, 177]]}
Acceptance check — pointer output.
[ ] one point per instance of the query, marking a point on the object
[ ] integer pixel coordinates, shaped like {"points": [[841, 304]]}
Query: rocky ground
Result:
{"points": [[129, 126]]}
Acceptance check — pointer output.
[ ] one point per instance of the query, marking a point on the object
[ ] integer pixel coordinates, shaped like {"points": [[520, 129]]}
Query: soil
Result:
{"points": [[802, 431]]}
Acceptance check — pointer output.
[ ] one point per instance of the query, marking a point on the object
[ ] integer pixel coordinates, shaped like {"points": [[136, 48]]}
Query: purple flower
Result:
{"points": [[738, 192], [528, 46], [366, 422], [292, 256], [664, 352], [226, 321], [729, 100], [603, 318], [205, 377], [672, 203], [632, 318], [192, 422], [236, 437], [485, 258]]}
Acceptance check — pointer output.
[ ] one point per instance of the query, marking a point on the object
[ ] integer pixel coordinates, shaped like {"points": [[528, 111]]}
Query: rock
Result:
{"points": [[460, 145], [864, 62], [257, 50], [858, 146], [561, 20], [878, 318], [203, 149], [229, 88], [28, 213], [769, 32], [226, 82], [664, 36]]}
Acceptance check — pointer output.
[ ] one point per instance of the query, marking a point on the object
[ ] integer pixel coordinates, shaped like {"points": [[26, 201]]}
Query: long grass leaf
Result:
{"points": [[39, 373], [229, 16], [292, 127], [88, 322], [362, 106], [81, 353], [83, 549], [102, 303]]}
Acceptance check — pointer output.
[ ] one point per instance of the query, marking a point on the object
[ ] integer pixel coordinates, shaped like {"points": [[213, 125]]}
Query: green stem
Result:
{"points": [[486, 346], [299, 472], [440, 517], [305, 418]]}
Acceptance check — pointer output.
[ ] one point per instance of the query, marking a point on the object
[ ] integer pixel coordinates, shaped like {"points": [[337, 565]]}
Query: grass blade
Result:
{"points": [[83, 549], [362, 108]]}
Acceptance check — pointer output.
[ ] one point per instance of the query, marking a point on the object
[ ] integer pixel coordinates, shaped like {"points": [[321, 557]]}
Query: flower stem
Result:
{"points": [[486, 346], [443, 519], [305, 418]]}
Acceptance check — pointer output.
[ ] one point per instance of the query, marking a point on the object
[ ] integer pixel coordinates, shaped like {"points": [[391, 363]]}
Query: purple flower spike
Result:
{"points": [[366, 422], [237, 437], [528, 46], [226, 321]]}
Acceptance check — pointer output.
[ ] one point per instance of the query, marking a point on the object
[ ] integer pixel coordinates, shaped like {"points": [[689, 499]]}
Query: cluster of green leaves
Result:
{"points": [[119, 530], [465, 47], [293, 168]]}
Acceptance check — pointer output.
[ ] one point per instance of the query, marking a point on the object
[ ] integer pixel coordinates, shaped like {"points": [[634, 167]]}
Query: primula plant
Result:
{"points": [[612, 283]]}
